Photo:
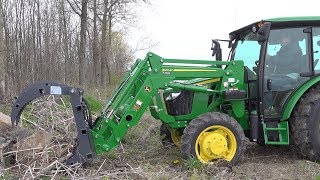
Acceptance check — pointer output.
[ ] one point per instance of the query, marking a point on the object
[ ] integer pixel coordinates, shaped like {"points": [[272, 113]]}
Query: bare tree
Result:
{"points": [[2, 56], [82, 48], [95, 51], [104, 54], [64, 41]]}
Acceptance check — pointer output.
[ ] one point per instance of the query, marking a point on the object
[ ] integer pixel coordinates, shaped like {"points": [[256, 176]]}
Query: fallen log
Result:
{"points": [[5, 119]]}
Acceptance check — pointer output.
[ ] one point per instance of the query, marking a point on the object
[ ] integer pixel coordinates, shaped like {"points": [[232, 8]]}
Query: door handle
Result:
{"points": [[269, 84]]}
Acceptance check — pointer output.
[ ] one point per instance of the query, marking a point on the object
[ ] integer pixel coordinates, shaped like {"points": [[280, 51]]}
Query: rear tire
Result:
{"points": [[305, 125], [214, 136]]}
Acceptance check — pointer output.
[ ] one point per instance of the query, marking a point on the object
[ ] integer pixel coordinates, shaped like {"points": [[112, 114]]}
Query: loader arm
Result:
{"points": [[140, 89]]}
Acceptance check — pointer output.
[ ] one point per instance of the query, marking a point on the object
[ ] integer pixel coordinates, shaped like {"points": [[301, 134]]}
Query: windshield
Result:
{"points": [[248, 50]]}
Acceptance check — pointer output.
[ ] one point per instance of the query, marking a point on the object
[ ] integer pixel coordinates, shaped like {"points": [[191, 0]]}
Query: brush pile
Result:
{"points": [[42, 143]]}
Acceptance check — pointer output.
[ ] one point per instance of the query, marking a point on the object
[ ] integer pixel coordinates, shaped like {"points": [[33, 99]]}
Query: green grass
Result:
{"points": [[5, 109], [94, 104], [6, 176], [104, 93]]}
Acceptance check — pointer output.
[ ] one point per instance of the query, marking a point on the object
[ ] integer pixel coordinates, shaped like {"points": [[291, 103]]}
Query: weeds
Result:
{"points": [[5, 108], [192, 163], [6, 176]]}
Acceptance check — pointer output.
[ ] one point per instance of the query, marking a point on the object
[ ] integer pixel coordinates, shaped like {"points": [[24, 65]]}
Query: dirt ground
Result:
{"points": [[142, 156]]}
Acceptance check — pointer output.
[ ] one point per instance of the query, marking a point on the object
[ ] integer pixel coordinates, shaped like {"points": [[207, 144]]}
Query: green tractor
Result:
{"points": [[268, 91]]}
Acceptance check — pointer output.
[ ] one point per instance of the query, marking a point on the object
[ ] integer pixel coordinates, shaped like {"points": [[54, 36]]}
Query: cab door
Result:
{"points": [[286, 58]]}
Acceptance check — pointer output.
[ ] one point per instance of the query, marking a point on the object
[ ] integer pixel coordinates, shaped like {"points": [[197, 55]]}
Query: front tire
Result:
{"points": [[214, 136], [169, 136], [165, 135], [305, 125]]}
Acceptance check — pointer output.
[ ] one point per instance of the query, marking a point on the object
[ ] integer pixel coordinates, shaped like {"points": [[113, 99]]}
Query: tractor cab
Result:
{"points": [[280, 56]]}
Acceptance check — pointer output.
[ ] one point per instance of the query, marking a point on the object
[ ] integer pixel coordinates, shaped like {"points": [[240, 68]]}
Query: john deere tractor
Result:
{"points": [[267, 90]]}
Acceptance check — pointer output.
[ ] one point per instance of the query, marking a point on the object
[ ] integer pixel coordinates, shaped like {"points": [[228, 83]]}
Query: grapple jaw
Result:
{"points": [[84, 149]]}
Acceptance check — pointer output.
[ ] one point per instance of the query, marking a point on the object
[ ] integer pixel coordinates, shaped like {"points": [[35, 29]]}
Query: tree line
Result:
{"points": [[78, 42]]}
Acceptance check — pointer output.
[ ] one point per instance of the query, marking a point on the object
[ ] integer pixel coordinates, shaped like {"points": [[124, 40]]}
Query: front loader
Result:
{"points": [[207, 107]]}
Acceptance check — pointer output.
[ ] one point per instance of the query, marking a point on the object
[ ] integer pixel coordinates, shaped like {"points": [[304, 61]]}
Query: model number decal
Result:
{"points": [[167, 70]]}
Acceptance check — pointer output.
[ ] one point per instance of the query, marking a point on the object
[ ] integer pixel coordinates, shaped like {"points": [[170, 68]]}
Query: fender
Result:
{"points": [[291, 103]]}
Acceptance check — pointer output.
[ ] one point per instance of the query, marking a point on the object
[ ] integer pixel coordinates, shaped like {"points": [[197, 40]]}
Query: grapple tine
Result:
{"points": [[84, 150]]}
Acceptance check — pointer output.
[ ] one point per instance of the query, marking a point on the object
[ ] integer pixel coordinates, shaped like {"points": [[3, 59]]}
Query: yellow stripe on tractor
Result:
{"points": [[208, 81], [194, 70]]}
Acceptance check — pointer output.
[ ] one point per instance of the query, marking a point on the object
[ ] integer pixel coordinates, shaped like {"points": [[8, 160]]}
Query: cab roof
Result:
{"points": [[283, 22], [295, 18]]}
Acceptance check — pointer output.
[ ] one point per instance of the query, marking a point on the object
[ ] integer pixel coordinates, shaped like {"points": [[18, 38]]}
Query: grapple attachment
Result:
{"points": [[84, 149]]}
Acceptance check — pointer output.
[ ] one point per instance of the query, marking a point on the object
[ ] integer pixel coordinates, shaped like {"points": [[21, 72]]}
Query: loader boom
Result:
{"points": [[143, 84]]}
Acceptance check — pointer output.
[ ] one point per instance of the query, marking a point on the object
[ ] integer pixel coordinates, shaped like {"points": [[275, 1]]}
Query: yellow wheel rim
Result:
{"points": [[215, 142], [176, 137]]}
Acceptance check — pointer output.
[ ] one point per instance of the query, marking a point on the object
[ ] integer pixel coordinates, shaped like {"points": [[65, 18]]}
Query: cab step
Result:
{"points": [[282, 129]]}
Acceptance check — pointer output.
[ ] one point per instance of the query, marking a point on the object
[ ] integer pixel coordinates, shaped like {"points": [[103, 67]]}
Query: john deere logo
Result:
{"points": [[147, 88]]}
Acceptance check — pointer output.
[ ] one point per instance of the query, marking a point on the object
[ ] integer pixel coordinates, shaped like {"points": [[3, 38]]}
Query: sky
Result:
{"points": [[183, 29]]}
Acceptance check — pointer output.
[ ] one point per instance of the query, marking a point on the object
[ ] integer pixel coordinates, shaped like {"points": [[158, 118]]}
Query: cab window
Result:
{"points": [[316, 49], [248, 51]]}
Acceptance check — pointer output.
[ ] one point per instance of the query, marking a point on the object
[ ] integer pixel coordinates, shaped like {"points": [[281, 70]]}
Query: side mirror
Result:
{"points": [[216, 50]]}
